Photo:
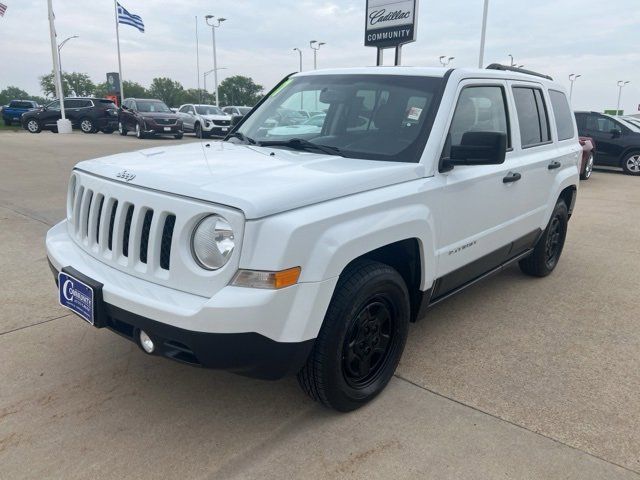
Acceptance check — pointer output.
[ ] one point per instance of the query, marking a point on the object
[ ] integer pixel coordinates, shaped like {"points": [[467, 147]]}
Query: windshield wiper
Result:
{"points": [[302, 144], [243, 138]]}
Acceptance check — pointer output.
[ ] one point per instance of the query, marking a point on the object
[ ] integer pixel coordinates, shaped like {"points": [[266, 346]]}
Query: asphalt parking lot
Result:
{"points": [[515, 378]]}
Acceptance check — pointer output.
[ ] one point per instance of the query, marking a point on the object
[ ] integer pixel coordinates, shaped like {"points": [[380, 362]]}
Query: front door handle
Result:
{"points": [[554, 165], [512, 177]]}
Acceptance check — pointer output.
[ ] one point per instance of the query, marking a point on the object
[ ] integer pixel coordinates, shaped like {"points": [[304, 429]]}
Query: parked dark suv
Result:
{"points": [[148, 117], [618, 141], [88, 114]]}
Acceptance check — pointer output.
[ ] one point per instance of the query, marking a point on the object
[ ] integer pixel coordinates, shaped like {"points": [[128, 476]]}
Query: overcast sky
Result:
{"points": [[557, 37]]}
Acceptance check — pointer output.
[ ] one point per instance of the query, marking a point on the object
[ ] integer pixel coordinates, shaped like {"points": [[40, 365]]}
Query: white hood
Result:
{"points": [[259, 181]]}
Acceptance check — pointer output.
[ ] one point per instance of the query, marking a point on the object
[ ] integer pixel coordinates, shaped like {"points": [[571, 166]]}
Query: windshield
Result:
{"points": [[152, 107], [208, 110], [377, 117]]}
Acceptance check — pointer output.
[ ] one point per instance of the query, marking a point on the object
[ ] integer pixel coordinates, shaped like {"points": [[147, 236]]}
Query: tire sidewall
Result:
{"points": [[198, 131], [340, 316], [32, 122], [139, 133], [624, 163], [562, 212], [121, 129]]}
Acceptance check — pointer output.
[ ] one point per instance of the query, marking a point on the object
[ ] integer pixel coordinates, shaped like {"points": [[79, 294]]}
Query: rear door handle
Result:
{"points": [[554, 165], [511, 177]]}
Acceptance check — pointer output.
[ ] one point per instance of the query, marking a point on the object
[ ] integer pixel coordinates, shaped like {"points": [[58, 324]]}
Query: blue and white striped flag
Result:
{"points": [[128, 19]]}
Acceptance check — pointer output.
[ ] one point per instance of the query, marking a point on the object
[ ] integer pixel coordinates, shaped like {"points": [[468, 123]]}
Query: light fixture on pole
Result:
{"points": [[621, 83], [60, 45], [483, 35], [300, 54], [444, 60], [315, 46], [511, 63], [215, 23], [572, 78]]}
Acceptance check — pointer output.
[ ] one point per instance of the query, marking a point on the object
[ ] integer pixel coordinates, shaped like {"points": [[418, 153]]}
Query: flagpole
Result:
{"points": [[115, 6], [198, 61]]}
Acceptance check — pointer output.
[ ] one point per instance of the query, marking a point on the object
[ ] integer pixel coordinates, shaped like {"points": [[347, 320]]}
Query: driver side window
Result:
{"points": [[480, 109]]}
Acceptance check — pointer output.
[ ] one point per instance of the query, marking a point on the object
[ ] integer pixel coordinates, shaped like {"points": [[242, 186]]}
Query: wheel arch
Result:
{"points": [[626, 152]]}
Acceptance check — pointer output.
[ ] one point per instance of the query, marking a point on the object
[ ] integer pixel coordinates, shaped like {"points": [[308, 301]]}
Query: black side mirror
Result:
{"points": [[616, 133], [235, 119], [477, 148]]}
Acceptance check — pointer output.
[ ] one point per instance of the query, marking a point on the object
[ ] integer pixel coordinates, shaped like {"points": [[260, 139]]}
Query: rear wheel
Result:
{"points": [[87, 126], [588, 168], [34, 126], [546, 254], [139, 132], [361, 340], [631, 164], [123, 131]]}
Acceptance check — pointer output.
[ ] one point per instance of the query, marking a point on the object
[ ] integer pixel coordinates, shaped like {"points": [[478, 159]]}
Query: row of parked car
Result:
{"points": [[145, 117]]}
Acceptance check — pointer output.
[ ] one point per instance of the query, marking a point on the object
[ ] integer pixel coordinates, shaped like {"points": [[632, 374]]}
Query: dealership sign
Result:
{"points": [[390, 23]]}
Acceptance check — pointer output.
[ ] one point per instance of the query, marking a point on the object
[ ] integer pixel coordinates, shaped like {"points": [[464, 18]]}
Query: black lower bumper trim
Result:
{"points": [[249, 354]]}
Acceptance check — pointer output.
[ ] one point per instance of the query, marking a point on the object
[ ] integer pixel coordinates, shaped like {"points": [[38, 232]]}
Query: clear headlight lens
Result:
{"points": [[212, 242]]}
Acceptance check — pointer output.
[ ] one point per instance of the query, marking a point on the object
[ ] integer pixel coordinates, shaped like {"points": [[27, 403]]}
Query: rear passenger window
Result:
{"points": [[480, 109], [532, 116], [562, 115]]}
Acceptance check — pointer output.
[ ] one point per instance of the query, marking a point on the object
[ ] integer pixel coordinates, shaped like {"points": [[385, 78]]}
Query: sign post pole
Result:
{"points": [[390, 24]]}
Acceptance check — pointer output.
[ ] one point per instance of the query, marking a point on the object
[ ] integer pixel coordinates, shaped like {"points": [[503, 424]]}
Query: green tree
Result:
{"points": [[239, 90], [193, 95], [13, 93], [134, 90], [167, 90], [75, 83]]}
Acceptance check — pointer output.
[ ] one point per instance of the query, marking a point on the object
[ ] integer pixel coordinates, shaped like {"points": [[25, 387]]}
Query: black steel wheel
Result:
{"points": [[546, 254], [362, 337]]}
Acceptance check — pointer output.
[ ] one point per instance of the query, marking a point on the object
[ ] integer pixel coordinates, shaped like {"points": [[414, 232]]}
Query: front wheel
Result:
{"points": [[178, 135], [198, 131], [87, 126], [546, 253], [123, 131], [362, 337], [139, 132], [34, 126], [588, 168], [631, 164]]}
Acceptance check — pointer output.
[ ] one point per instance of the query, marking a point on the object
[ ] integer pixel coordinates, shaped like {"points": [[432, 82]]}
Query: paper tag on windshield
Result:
{"points": [[414, 113]]}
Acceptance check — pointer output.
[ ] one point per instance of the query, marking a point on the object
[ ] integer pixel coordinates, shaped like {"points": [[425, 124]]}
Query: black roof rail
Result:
{"points": [[506, 68]]}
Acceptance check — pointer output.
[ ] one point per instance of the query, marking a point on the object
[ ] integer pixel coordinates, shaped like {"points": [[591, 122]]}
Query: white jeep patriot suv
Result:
{"points": [[312, 253]]}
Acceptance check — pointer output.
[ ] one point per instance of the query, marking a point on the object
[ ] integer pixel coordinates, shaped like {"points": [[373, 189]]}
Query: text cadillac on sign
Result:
{"points": [[390, 23]]}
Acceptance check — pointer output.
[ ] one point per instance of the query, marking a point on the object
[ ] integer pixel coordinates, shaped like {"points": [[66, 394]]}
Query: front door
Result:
{"points": [[607, 134], [49, 117]]}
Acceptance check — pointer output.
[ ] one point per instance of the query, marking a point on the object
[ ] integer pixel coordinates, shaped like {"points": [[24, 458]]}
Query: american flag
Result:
{"points": [[3, 8]]}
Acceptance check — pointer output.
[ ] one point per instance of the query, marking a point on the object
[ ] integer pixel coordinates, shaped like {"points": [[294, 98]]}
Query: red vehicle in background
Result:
{"points": [[588, 152]]}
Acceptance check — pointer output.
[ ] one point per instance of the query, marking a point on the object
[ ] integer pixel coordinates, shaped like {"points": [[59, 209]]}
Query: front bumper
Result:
{"points": [[152, 128], [216, 130], [259, 333]]}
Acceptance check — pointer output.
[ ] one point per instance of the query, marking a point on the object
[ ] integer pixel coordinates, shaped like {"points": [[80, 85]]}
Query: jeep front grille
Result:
{"points": [[128, 228]]}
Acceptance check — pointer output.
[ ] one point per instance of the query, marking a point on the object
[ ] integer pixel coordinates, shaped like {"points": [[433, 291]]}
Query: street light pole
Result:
{"points": [[484, 33], [60, 48], [572, 78], [299, 53], [315, 46], [64, 125], [512, 63], [216, 22], [621, 83]]}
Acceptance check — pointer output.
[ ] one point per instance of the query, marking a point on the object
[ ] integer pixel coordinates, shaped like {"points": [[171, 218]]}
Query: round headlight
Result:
{"points": [[212, 242]]}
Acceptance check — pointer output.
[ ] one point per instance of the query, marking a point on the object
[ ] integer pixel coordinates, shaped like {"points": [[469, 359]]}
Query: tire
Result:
{"points": [[631, 163], [546, 254], [123, 131], [178, 136], [361, 340], [588, 168], [198, 130], [87, 125], [33, 126], [139, 132]]}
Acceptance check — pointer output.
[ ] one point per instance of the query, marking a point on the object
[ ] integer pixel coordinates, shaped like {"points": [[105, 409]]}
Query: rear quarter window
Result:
{"points": [[562, 115]]}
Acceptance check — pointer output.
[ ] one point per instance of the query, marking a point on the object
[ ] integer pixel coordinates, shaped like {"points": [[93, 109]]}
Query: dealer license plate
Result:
{"points": [[77, 296], [167, 129]]}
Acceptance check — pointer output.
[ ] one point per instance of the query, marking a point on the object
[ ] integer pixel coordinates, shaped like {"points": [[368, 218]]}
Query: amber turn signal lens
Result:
{"points": [[270, 280]]}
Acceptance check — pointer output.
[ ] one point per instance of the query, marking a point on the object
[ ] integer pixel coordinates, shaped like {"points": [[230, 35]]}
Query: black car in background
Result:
{"points": [[149, 117], [618, 141], [88, 114]]}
